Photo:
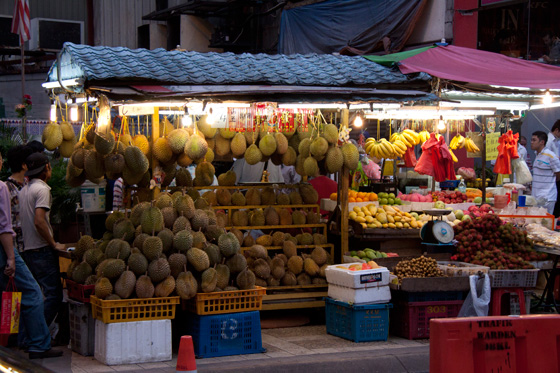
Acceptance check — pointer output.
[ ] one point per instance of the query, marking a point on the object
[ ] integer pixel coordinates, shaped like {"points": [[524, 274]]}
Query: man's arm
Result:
{"points": [[6, 230], [43, 228], [7, 241]]}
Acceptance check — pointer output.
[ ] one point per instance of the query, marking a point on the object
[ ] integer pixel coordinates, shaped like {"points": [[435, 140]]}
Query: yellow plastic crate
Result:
{"points": [[110, 311], [226, 301]]}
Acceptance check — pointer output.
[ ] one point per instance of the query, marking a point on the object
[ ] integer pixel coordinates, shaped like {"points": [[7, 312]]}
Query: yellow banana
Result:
{"points": [[394, 137], [453, 156], [409, 139], [424, 136], [468, 145], [388, 148], [452, 143], [473, 146], [399, 144], [461, 142]]}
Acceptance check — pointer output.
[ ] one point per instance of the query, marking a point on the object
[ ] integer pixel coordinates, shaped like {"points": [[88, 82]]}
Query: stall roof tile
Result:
{"points": [[107, 63]]}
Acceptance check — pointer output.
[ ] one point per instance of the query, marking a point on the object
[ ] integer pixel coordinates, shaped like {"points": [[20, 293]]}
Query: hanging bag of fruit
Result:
{"points": [[409, 158], [424, 166]]}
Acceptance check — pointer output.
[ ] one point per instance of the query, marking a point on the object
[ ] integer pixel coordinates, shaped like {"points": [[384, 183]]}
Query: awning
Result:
{"points": [[475, 66]]}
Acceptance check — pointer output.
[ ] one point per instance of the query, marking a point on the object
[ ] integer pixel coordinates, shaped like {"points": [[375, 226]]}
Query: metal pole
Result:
{"points": [[528, 31], [24, 118]]}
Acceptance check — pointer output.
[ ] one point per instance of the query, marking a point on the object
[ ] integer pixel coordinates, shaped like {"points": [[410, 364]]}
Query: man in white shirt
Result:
{"points": [[554, 145], [247, 173], [521, 149], [546, 171]]}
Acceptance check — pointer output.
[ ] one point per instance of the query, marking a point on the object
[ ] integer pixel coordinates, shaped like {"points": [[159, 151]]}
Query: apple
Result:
{"points": [[478, 200]]}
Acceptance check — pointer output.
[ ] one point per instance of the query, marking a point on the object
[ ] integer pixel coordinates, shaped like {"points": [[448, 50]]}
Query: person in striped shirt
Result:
{"points": [[546, 171]]}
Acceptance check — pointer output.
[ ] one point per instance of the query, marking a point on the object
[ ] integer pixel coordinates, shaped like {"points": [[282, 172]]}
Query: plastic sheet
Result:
{"points": [[478, 300]]}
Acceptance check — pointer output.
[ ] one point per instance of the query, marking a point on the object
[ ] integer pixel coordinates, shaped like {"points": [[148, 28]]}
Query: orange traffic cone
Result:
{"points": [[185, 359]]}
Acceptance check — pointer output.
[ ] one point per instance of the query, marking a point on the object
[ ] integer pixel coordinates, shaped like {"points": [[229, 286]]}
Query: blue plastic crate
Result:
{"points": [[426, 296], [226, 334], [449, 183], [358, 323]]}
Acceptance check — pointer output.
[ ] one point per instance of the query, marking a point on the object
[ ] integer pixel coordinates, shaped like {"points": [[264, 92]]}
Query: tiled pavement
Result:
{"points": [[306, 345]]}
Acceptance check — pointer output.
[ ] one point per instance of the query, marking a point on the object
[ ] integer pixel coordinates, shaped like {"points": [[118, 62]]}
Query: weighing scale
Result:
{"points": [[437, 235]]}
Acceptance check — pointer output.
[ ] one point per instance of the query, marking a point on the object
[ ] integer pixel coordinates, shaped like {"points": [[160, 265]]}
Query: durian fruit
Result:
{"points": [[351, 156], [184, 160], [67, 148], [303, 148], [264, 240], [166, 236], [258, 252], [144, 287], [310, 267], [186, 285], [228, 178], [238, 199], [318, 148], [303, 279], [228, 244], [319, 239], [113, 268], [183, 178], [277, 269], [67, 131], [137, 211], [196, 147], [237, 234], [223, 276], [114, 163], [206, 128], [306, 239], [103, 288], [245, 279], [271, 217], [177, 262], [330, 133], [289, 279], [52, 136], [285, 217], [169, 216], [295, 264], [124, 287], [267, 145], [253, 155], [84, 244], [289, 157], [261, 269], [104, 143], [165, 288], [185, 206], [240, 218], [152, 247], [199, 240], [223, 197], [142, 143], [177, 140], [298, 217], [158, 270], [152, 220], [260, 282], [199, 220], [335, 160], [135, 160], [183, 241], [236, 263], [209, 280], [277, 238], [214, 255], [281, 143], [313, 217], [78, 157], [289, 249], [268, 196], [222, 146], [256, 218], [309, 194], [117, 248], [272, 281], [81, 272], [238, 145], [248, 241], [94, 165], [253, 197], [295, 198], [198, 259], [310, 167], [205, 173]]}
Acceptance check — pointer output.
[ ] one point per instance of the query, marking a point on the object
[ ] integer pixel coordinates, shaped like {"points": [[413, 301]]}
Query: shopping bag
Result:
{"points": [[11, 302], [522, 172], [478, 300]]}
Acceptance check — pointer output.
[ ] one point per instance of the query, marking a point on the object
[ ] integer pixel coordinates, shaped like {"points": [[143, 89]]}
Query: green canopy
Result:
{"points": [[391, 59]]}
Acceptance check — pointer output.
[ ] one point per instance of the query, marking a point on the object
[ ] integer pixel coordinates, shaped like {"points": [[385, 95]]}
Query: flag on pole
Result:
{"points": [[20, 22]]}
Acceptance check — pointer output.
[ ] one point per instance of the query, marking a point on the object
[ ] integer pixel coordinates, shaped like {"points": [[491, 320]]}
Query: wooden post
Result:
{"points": [[343, 195], [153, 137], [483, 155]]}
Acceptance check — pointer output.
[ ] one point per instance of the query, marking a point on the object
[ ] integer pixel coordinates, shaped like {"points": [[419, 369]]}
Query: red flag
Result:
{"points": [[20, 22]]}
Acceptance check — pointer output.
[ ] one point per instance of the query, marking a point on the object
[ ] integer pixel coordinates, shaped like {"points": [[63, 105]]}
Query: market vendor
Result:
{"points": [[546, 171]]}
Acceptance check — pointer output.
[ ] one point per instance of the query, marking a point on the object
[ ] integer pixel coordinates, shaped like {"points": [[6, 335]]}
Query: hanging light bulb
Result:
{"points": [[358, 122], [186, 121], [53, 112], [441, 123], [210, 117], [74, 111], [547, 99]]}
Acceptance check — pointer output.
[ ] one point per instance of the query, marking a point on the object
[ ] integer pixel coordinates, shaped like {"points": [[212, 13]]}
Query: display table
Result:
{"points": [[547, 298]]}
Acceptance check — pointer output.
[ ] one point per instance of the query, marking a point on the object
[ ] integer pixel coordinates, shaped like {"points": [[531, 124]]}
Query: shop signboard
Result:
{"points": [[492, 2]]}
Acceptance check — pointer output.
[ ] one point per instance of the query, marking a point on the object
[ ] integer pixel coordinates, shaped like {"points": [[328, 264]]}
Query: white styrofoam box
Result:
{"points": [[357, 279], [133, 342], [421, 206], [378, 294]]}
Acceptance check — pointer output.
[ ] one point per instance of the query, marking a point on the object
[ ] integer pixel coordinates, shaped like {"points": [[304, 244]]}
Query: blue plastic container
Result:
{"points": [[225, 335], [449, 184], [358, 323]]}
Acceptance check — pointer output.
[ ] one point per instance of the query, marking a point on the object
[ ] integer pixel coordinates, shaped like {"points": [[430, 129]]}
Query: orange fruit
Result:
{"points": [[371, 197], [333, 197], [359, 199], [351, 199]]}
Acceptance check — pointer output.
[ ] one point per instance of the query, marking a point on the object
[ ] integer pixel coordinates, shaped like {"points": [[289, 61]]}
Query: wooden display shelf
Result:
{"points": [[294, 297], [278, 186], [243, 248], [251, 227], [248, 207]]}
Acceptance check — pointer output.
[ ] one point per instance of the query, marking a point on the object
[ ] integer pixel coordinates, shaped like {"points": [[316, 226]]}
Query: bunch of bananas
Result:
{"points": [[424, 136], [383, 148], [457, 142], [471, 146], [408, 138]]}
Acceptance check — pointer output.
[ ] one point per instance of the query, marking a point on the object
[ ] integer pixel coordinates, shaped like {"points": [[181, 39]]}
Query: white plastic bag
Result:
{"points": [[478, 300], [521, 171]]}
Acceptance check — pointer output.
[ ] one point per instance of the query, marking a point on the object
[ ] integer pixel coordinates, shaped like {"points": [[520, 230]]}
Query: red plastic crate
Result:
{"points": [[79, 292], [518, 344], [412, 320]]}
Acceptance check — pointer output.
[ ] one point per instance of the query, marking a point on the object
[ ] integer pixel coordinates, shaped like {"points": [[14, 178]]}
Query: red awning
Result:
{"points": [[481, 67]]}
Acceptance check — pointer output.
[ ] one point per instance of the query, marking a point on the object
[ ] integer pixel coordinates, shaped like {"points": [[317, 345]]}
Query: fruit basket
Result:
{"points": [[110, 311], [455, 269], [508, 278], [79, 292], [226, 301]]}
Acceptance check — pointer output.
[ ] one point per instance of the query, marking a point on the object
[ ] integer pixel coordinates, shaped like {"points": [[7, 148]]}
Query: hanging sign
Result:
{"points": [[492, 146]]}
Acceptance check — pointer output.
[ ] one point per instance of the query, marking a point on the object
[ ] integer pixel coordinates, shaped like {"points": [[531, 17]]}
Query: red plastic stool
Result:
{"points": [[497, 295]]}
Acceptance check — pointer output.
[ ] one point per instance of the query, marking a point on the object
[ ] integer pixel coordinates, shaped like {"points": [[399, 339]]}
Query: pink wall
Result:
{"points": [[465, 27]]}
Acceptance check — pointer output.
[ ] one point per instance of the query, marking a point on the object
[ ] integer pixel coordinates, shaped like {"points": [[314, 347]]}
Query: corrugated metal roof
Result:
{"points": [[175, 67]]}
